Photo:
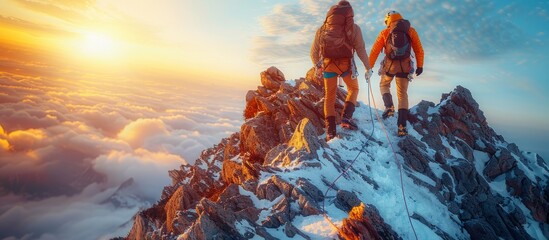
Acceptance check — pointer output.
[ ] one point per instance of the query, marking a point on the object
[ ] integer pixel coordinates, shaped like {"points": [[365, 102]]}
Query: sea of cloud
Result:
{"points": [[68, 143]]}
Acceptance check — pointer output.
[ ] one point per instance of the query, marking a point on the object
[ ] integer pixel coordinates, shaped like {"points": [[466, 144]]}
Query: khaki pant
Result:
{"points": [[402, 89], [338, 66]]}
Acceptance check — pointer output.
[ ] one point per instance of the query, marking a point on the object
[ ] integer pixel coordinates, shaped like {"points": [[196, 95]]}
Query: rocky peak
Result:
{"points": [[275, 178]]}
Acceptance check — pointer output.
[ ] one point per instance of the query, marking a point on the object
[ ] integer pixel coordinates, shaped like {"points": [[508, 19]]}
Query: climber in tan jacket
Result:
{"points": [[332, 54]]}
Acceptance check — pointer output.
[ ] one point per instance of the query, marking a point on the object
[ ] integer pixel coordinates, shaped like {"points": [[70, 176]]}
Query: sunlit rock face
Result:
{"points": [[276, 178]]}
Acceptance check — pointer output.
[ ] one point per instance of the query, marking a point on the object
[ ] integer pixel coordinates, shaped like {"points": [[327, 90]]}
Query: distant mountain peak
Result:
{"points": [[269, 180]]}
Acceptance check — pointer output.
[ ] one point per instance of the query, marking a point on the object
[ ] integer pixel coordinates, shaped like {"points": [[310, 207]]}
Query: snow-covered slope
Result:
{"points": [[276, 178]]}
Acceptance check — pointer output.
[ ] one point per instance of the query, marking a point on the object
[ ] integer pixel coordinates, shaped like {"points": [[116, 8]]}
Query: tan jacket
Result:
{"points": [[357, 42]]}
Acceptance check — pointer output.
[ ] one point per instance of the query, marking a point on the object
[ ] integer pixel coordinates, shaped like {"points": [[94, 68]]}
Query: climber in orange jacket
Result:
{"points": [[397, 39]]}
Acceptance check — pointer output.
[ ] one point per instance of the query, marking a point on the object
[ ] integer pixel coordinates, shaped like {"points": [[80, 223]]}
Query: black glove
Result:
{"points": [[419, 70]]}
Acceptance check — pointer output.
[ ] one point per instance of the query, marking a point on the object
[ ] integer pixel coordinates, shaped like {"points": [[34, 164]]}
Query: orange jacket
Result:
{"points": [[382, 39]]}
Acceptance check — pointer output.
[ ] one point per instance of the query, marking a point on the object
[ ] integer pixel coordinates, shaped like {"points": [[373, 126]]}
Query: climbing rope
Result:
{"points": [[397, 162], [350, 165], [361, 151]]}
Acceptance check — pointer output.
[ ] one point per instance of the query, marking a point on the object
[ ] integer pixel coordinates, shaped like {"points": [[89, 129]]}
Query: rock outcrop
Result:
{"points": [[476, 161], [272, 179]]}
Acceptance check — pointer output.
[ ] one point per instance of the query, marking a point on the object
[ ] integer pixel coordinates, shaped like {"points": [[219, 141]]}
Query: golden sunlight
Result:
{"points": [[96, 44]]}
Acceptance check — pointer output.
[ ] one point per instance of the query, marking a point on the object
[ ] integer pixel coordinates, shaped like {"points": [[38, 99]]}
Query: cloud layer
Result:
{"points": [[68, 143]]}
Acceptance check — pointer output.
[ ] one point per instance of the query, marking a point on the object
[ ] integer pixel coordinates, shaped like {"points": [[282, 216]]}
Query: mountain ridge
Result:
{"points": [[268, 181]]}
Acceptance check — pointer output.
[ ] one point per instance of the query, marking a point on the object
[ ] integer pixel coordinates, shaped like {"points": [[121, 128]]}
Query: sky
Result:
{"points": [[95, 92]]}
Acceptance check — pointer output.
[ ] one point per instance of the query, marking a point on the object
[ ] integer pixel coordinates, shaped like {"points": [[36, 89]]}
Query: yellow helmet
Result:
{"points": [[392, 16]]}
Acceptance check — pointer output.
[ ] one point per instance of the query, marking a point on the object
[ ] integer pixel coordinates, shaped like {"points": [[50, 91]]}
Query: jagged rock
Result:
{"points": [[283, 211], [302, 147], [250, 95], [413, 156], [278, 156], [271, 222], [276, 74], [310, 189], [273, 188], [230, 191], [141, 226], [290, 230], [480, 229], [465, 176], [464, 118], [214, 223], [257, 136], [280, 214], [500, 163], [231, 199], [307, 205], [299, 110], [231, 149], [305, 138], [232, 172], [258, 104], [346, 200], [264, 92], [264, 234], [272, 78], [310, 92], [533, 198], [465, 150], [268, 190], [283, 185], [500, 222], [183, 199], [364, 222], [251, 214], [280, 135], [283, 126], [182, 174], [183, 220], [318, 82]]}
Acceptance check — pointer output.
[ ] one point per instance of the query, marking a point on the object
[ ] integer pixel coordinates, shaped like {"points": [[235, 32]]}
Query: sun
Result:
{"points": [[96, 44]]}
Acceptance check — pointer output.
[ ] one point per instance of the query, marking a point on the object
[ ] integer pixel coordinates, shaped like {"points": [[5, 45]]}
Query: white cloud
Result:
{"points": [[24, 140], [136, 133], [67, 145], [148, 169]]}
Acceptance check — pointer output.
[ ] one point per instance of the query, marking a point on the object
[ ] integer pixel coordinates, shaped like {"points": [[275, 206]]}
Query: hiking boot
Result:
{"points": [[389, 106], [401, 122], [330, 128], [402, 131], [348, 124], [389, 112], [347, 116]]}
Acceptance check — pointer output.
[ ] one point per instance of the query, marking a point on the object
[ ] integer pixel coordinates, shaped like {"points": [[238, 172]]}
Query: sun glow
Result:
{"points": [[96, 44]]}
